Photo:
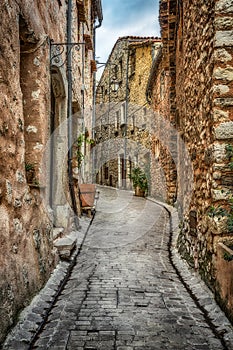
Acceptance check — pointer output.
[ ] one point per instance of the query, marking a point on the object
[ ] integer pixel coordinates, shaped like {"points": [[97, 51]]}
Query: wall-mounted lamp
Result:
{"points": [[114, 86]]}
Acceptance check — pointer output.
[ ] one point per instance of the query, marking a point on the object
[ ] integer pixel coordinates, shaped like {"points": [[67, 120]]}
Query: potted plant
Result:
{"points": [[140, 184]]}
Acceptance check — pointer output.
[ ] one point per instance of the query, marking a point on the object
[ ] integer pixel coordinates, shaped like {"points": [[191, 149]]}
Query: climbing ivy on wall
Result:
{"points": [[229, 154], [225, 211], [79, 144]]}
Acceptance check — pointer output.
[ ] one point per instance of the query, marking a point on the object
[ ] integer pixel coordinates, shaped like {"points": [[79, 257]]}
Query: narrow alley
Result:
{"points": [[121, 96], [124, 292]]}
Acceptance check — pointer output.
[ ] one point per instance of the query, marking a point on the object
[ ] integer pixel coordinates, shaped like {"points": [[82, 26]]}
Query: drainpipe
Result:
{"points": [[94, 87], [126, 116], [83, 104], [69, 113], [94, 76]]}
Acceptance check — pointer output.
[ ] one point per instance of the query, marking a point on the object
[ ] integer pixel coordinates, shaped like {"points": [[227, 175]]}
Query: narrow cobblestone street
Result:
{"points": [[124, 293], [102, 102]]}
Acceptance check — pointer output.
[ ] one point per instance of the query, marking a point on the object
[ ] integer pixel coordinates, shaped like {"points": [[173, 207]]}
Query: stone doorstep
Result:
{"points": [[58, 232], [65, 246]]}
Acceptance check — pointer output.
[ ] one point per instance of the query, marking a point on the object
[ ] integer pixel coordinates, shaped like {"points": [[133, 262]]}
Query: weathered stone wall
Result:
{"points": [[163, 160], [125, 112], [144, 53], [222, 114], [84, 67], [194, 57], [191, 87], [27, 255], [33, 104], [197, 53]]}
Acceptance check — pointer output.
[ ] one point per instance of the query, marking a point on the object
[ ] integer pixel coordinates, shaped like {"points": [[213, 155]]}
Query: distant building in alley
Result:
{"points": [[122, 114], [46, 78]]}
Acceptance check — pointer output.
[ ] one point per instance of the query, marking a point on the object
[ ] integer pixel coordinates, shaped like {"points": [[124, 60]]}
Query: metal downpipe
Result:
{"points": [[69, 113]]}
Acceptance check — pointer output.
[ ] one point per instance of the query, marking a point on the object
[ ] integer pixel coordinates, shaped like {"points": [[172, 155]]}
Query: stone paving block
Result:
{"points": [[129, 297], [43, 342], [108, 344], [16, 344]]}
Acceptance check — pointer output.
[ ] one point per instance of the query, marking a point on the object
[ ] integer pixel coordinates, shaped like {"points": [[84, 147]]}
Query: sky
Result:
{"points": [[123, 18]]}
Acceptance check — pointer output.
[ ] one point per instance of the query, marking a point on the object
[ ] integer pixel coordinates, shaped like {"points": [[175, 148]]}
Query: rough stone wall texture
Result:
{"points": [[205, 98], [222, 115], [27, 254], [197, 55], [124, 112], [163, 166], [194, 57], [144, 53]]}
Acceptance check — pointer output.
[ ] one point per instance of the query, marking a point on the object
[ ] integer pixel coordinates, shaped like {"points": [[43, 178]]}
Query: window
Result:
{"points": [[102, 92], [106, 172], [123, 113], [156, 149], [130, 165], [115, 72], [162, 85], [120, 69], [81, 12], [133, 121], [117, 122], [132, 62], [139, 79], [132, 124]]}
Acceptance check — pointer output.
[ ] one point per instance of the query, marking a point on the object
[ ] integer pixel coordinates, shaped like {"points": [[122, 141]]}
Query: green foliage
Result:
{"points": [[139, 179], [79, 143], [221, 211], [217, 211], [230, 222], [227, 210], [227, 256], [36, 182], [229, 153], [29, 166]]}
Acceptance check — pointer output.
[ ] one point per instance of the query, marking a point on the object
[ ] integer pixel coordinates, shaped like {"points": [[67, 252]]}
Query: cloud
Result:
{"points": [[123, 18], [121, 12]]}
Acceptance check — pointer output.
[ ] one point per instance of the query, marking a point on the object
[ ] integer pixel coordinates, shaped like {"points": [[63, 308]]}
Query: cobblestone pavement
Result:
{"points": [[124, 293]]}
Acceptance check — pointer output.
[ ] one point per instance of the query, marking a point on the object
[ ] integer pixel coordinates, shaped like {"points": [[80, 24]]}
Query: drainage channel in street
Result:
{"points": [[60, 289]]}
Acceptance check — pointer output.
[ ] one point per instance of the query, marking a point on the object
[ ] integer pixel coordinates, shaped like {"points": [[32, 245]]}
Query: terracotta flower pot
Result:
{"points": [[139, 192]]}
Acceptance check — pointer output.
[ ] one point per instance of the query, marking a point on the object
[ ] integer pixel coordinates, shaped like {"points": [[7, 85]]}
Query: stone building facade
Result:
{"points": [[122, 115], [190, 88], [34, 191]]}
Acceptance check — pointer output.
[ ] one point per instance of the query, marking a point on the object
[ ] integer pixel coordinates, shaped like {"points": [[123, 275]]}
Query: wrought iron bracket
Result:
{"points": [[58, 49]]}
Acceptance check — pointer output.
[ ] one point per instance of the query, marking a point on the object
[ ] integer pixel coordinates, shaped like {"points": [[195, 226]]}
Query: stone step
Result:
{"points": [[65, 246], [58, 232]]}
